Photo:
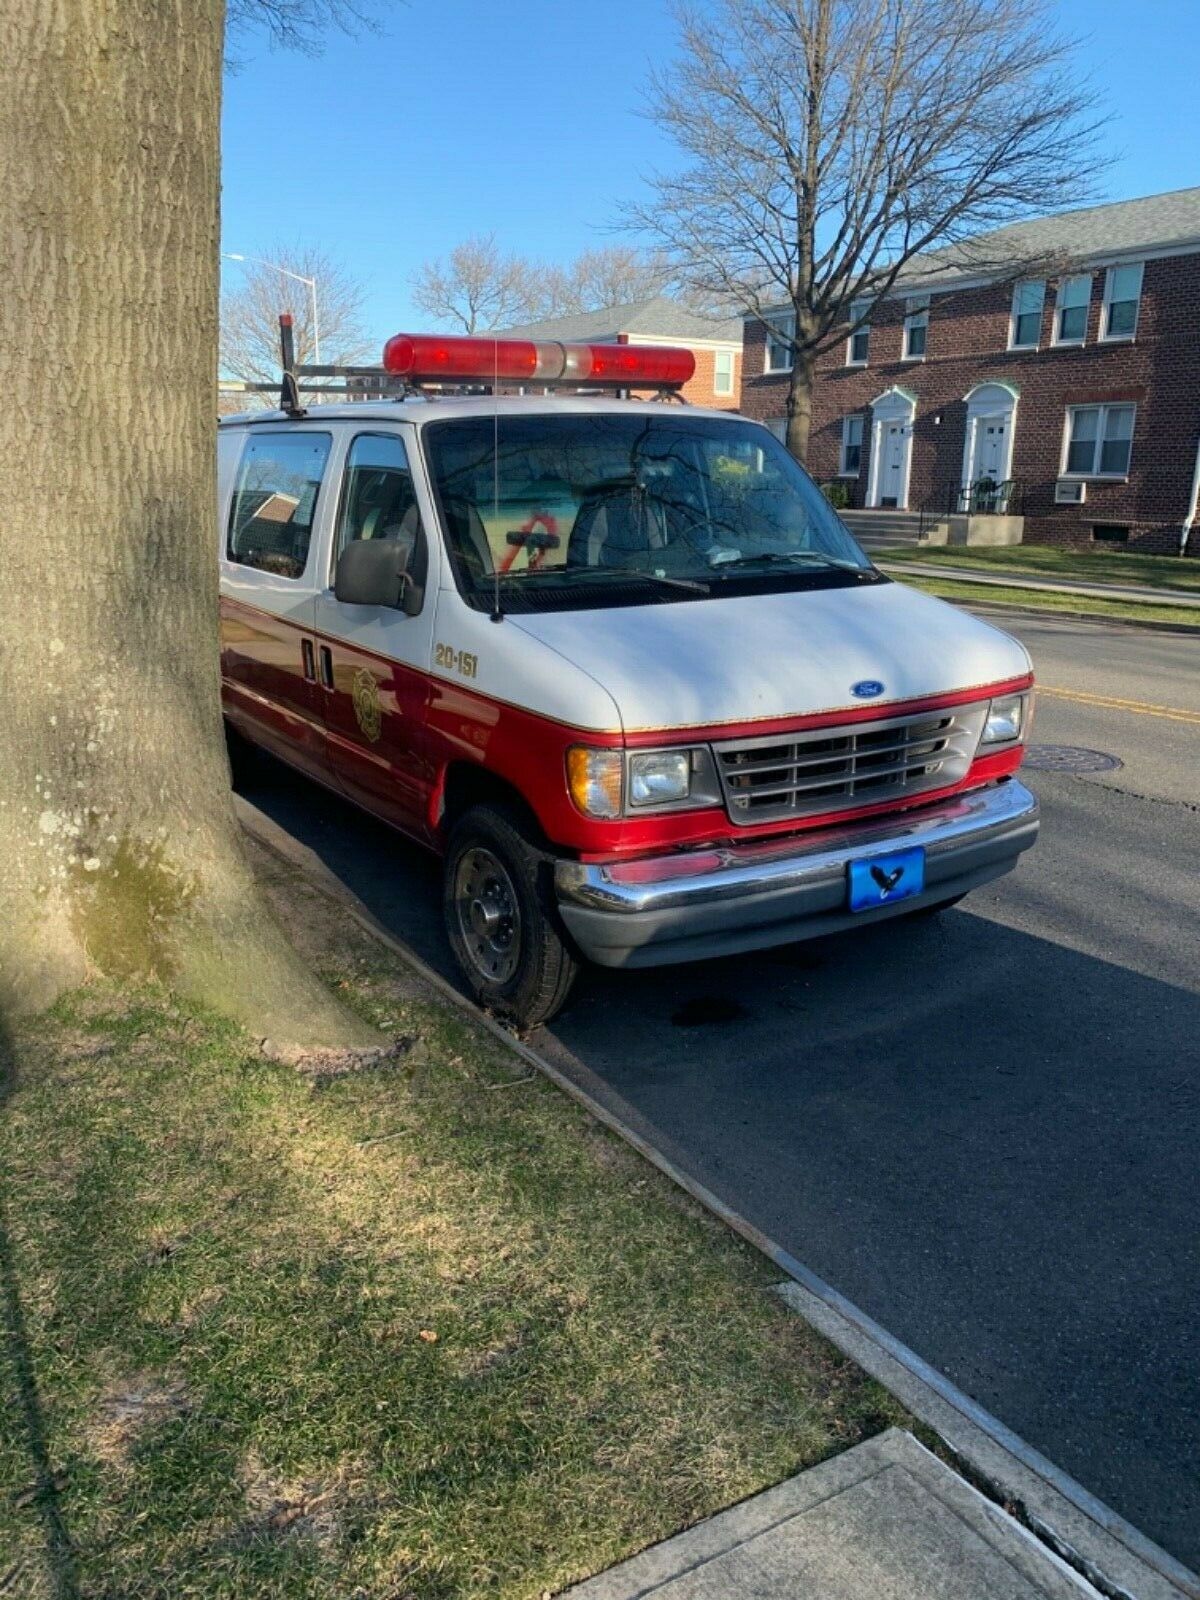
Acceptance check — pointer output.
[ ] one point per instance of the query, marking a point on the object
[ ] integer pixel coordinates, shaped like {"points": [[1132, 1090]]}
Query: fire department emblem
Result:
{"points": [[367, 708]]}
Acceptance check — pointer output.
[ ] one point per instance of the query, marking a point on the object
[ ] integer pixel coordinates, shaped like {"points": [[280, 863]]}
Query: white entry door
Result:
{"points": [[992, 448], [893, 485]]}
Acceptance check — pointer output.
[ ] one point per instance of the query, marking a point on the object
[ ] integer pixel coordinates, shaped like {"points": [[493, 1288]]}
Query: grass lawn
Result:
{"points": [[1048, 561], [977, 594], [414, 1332]]}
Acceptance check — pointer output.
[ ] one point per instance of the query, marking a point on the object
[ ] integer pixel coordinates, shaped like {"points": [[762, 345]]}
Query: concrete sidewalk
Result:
{"points": [[885, 1521], [1019, 580]]}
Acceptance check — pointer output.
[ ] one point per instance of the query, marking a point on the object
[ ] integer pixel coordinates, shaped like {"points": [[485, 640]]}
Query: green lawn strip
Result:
{"points": [[973, 594], [1050, 562], [420, 1330]]}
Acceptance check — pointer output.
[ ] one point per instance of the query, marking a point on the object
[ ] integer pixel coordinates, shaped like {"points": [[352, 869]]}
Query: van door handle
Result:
{"points": [[306, 655], [327, 666]]}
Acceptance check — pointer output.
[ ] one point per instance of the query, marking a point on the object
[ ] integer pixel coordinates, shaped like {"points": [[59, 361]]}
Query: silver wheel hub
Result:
{"points": [[489, 918]]}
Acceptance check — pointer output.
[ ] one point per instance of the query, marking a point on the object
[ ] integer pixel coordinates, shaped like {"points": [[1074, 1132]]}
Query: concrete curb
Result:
{"points": [[1003, 608], [999, 608], [1133, 593], [1109, 1552]]}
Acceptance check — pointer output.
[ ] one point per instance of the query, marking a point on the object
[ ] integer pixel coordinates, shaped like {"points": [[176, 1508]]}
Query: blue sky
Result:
{"points": [[520, 117]]}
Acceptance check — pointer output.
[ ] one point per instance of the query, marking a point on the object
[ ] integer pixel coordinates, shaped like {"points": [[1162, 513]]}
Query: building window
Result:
{"points": [[723, 372], [858, 345], [779, 343], [1122, 292], [1071, 310], [852, 439], [1098, 441], [916, 327], [1026, 330], [1109, 533]]}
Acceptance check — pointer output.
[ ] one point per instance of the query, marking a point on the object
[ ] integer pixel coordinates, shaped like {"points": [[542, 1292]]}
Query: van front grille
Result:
{"points": [[856, 764]]}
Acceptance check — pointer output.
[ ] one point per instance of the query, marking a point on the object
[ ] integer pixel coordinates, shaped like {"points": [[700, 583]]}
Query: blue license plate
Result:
{"points": [[882, 880]]}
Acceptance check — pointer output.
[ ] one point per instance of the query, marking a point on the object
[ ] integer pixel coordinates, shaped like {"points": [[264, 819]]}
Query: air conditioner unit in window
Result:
{"points": [[1069, 492]]}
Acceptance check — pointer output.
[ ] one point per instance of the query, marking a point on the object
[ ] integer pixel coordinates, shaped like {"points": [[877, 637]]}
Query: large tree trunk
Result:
{"points": [[119, 849], [799, 405]]}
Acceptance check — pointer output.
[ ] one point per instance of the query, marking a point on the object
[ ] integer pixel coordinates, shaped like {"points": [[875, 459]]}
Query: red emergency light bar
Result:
{"points": [[429, 358]]}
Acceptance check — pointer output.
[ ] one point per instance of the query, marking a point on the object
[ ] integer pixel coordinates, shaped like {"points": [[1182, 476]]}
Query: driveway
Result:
{"points": [[982, 1129]]}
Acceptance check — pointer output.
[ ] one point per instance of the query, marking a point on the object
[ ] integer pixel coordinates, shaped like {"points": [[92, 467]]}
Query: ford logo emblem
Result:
{"points": [[867, 689]]}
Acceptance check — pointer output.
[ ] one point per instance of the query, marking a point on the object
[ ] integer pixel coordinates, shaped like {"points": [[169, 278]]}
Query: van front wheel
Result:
{"points": [[501, 919]]}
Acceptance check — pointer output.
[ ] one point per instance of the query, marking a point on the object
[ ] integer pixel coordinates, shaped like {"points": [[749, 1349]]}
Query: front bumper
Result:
{"points": [[735, 897]]}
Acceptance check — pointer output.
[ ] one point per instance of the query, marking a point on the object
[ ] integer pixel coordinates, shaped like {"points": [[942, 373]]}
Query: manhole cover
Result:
{"points": [[1068, 758]]}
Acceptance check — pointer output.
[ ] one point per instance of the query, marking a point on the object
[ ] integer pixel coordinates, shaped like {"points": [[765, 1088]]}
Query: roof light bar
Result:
{"points": [[430, 358]]}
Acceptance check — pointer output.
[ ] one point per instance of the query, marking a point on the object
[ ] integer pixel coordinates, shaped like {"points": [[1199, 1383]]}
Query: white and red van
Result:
{"points": [[616, 660]]}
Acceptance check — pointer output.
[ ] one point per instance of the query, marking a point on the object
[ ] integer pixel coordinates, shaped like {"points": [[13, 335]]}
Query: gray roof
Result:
{"points": [[657, 318], [1153, 222]]}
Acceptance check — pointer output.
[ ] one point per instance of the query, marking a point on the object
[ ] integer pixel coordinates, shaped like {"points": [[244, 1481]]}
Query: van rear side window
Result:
{"points": [[275, 500]]}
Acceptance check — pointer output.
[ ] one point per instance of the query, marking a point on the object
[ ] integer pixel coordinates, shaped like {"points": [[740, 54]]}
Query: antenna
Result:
{"points": [[497, 613]]}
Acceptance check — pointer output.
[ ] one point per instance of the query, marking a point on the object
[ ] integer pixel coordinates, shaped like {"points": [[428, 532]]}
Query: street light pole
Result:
{"points": [[230, 255]]}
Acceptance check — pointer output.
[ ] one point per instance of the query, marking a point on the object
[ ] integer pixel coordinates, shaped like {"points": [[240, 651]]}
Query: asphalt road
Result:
{"points": [[984, 1129]]}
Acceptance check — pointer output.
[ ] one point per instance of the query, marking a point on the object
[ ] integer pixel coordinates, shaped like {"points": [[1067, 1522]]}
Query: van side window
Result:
{"points": [[275, 500], [378, 499]]}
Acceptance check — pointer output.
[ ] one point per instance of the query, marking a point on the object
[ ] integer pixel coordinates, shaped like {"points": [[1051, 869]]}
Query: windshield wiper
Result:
{"points": [[692, 584], [574, 574], [792, 558]]}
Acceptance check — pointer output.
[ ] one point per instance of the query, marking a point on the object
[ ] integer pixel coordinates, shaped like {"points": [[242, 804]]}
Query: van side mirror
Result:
{"points": [[374, 572]]}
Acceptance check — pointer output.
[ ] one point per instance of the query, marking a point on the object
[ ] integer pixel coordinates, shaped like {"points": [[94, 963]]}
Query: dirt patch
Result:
{"points": [[474, 1365], [337, 1063], [130, 1409], [196, 1309], [303, 1508]]}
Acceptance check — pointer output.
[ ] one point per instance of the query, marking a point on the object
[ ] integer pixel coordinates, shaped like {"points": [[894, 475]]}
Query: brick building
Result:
{"points": [[1071, 397], [717, 346]]}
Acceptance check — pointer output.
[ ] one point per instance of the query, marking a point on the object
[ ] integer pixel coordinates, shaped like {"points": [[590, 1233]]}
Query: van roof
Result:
{"points": [[420, 410]]}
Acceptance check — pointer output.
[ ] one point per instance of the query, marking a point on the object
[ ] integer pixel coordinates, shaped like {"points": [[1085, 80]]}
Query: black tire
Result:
{"points": [[940, 906], [503, 926], [245, 759]]}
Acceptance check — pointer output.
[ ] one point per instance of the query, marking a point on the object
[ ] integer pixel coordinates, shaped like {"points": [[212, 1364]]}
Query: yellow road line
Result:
{"points": [[1114, 703]]}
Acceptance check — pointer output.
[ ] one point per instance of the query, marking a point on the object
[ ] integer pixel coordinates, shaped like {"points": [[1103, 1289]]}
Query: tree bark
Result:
{"points": [[119, 849], [799, 404]]}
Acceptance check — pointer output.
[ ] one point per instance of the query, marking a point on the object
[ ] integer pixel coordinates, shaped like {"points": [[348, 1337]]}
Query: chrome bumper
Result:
{"points": [[734, 897]]}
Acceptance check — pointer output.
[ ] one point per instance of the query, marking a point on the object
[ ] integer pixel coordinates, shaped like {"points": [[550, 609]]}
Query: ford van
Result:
{"points": [[616, 660]]}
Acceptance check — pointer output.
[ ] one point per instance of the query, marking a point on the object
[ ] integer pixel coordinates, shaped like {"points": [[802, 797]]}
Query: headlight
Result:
{"points": [[594, 779], [657, 777], [1005, 719], [618, 783]]}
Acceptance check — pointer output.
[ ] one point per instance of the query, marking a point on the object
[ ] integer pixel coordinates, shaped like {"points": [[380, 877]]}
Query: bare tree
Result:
{"points": [[478, 287], [830, 143], [300, 24], [612, 275], [119, 847], [250, 314]]}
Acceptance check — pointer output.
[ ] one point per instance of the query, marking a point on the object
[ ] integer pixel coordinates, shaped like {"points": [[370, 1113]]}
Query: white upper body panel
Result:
{"points": [[755, 657]]}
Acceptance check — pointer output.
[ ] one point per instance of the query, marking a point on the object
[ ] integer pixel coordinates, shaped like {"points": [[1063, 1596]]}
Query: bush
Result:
{"points": [[837, 493]]}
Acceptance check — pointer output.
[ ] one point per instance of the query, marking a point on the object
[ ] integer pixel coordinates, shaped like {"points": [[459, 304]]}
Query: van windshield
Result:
{"points": [[573, 510]]}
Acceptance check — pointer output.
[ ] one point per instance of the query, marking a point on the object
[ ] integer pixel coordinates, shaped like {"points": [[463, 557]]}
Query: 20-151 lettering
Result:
{"points": [[461, 661]]}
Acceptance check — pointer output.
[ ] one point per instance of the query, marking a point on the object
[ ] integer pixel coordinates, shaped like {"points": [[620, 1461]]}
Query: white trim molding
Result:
{"points": [[1100, 438], [854, 422], [1063, 304], [991, 401], [1132, 273], [894, 408], [1028, 301]]}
